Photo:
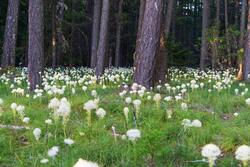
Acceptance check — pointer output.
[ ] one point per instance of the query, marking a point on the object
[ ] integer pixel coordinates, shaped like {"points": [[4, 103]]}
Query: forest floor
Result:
{"points": [[215, 99]]}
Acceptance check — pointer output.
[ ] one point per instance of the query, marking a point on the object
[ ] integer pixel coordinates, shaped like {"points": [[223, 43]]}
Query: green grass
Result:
{"points": [[164, 142]]}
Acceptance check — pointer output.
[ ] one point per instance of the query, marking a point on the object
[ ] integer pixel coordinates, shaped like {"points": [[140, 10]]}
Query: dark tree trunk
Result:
{"points": [[204, 42], [242, 33], [118, 35], [149, 43], [138, 38], [9, 46], [228, 52], [247, 48], [102, 44], [53, 26], [95, 32], [36, 42], [168, 17], [215, 55], [60, 47]]}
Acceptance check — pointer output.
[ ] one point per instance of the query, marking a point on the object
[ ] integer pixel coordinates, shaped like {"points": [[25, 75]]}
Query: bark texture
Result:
{"points": [[118, 35], [9, 46], [36, 42], [247, 48], [95, 32], [204, 42], [102, 44], [149, 43]]}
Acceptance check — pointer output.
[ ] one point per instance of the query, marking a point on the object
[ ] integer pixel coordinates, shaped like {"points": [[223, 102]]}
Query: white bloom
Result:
{"points": [[48, 121], [211, 151], [137, 103], [44, 161], [248, 101], [54, 104], [100, 113], [1, 101], [90, 105], [53, 151], [243, 153], [128, 100], [184, 106], [84, 88], [186, 123], [196, 123], [84, 163], [236, 114], [133, 134], [37, 133], [93, 93], [13, 106], [69, 141], [26, 120], [157, 97]]}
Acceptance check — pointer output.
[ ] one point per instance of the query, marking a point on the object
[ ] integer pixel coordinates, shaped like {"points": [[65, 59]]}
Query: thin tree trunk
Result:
{"points": [[242, 33], [53, 24], [149, 43], [60, 7], [118, 35], [247, 48], [215, 44], [228, 52], [36, 42], [205, 24], [95, 32], [168, 17], [9, 46], [102, 44]]}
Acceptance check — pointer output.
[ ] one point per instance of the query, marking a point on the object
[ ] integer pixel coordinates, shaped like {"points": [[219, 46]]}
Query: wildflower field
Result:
{"points": [[196, 119]]}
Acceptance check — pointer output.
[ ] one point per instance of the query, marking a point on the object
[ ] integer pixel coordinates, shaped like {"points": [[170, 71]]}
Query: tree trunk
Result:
{"points": [[168, 17], [228, 52], [36, 42], [9, 46], [102, 44], [53, 27], [204, 42], [149, 43], [60, 7], [138, 38], [242, 33], [247, 48], [95, 32], [118, 35], [215, 53]]}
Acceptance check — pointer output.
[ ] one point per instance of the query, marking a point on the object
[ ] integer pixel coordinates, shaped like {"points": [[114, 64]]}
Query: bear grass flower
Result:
{"points": [[243, 154], [157, 99], [85, 163], [211, 152], [37, 133], [133, 134], [69, 141], [88, 106], [100, 113], [247, 101], [53, 151]]}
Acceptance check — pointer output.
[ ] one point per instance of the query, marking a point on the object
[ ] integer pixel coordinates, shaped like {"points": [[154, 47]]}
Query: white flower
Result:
{"points": [[53, 151], [133, 134], [184, 106], [157, 97], [94, 93], [128, 100], [186, 123], [248, 101], [84, 163], [54, 104], [236, 114], [211, 151], [137, 103], [90, 105], [13, 106], [48, 121], [44, 161], [126, 111], [1, 101], [37, 133], [100, 113], [26, 120], [84, 88], [196, 123], [69, 141], [243, 153]]}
